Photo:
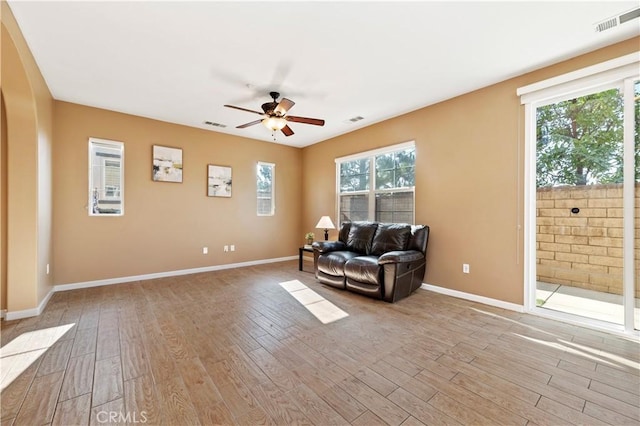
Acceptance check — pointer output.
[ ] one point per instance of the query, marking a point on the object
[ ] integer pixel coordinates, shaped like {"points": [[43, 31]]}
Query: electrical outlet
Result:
{"points": [[205, 250], [225, 249], [465, 268], [233, 247], [47, 269]]}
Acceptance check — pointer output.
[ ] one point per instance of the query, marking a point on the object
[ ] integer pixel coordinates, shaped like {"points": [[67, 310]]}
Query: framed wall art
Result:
{"points": [[167, 164], [218, 181]]}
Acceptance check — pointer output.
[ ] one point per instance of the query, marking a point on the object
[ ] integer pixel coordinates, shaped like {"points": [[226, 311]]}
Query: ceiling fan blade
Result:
{"points": [[305, 120], [244, 109], [242, 126], [287, 131], [284, 106]]}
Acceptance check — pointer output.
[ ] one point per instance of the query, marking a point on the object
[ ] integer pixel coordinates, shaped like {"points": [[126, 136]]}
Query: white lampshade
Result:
{"points": [[325, 223], [274, 123]]}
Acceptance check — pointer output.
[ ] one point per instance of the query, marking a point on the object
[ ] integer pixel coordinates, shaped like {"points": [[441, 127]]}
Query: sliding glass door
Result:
{"points": [[587, 199]]}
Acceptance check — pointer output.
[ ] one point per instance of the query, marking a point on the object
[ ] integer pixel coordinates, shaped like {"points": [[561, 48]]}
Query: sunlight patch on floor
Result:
{"points": [[519, 323], [564, 348], [608, 355], [320, 307], [17, 355]]}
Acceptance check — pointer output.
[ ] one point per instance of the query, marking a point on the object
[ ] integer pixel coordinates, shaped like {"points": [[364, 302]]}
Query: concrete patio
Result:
{"points": [[588, 303]]}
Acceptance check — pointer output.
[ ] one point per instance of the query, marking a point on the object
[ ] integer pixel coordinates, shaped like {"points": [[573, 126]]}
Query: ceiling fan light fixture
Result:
{"points": [[275, 116], [274, 123]]}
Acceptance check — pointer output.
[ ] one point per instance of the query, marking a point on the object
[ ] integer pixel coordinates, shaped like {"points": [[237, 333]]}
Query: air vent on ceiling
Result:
{"points": [[211, 123], [355, 119], [617, 20]]}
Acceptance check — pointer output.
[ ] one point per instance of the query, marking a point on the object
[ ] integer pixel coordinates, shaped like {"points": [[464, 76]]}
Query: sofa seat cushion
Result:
{"points": [[364, 269], [333, 263], [370, 290], [332, 280]]}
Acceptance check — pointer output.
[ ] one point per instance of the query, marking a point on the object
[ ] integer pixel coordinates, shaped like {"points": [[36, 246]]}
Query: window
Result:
{"points": [[377, 185], [106, 178], [265, 182]]}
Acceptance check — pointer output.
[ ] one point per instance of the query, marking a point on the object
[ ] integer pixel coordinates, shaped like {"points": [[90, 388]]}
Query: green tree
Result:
{"points": [[396, 169], [354, 175], [580, 141], [264, 178]]}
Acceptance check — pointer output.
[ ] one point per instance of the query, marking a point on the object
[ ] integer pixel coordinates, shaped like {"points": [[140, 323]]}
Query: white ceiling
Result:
{"points": [[182, 61]]}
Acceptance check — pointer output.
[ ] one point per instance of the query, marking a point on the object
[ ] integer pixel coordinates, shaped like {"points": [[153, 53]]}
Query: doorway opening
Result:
{"points": [[582, 200]]}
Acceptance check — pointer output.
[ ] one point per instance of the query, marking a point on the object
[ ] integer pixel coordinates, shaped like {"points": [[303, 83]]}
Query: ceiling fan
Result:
{"points": [[275, 115]]}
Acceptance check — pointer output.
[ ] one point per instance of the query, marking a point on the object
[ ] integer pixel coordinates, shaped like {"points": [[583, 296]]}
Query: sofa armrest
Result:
{"points": [[400, 257], [328, 246]]}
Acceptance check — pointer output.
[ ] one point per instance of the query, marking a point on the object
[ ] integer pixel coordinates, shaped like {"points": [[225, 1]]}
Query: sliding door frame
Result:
{"points": [[618, 73]]}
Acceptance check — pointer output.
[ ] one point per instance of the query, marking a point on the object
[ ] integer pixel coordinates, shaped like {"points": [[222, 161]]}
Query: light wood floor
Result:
{"points": [[233, 347]]}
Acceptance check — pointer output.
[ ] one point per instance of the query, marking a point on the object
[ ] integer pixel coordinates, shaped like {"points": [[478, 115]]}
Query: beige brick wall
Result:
{"points": [[583, 249]]}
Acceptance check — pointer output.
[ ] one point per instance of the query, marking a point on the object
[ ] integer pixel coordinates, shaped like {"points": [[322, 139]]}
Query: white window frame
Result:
{"points": [[115, 145], [272, 211], [616, 73], [372, 191]]}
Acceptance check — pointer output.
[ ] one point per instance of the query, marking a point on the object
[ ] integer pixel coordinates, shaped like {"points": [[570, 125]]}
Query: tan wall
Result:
{"points": [[29, 125], [165, 224], [582, 249], [469, 179]]}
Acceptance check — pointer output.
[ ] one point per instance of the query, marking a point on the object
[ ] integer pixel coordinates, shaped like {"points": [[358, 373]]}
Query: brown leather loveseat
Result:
{"points": [[382, 260]]}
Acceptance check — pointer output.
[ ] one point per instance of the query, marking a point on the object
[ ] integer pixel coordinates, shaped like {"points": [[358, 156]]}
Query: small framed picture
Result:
{"points": [[218, 181], [167, 164]]}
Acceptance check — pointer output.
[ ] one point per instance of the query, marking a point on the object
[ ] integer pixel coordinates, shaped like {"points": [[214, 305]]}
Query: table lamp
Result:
{"points": [[325, 222]]}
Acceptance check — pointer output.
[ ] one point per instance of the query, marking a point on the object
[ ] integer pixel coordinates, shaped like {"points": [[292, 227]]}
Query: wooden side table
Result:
{"points": [[300, 251]]}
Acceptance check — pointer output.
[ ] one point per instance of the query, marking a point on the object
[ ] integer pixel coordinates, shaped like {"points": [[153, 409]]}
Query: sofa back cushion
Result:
{"points": [[360, 237], [343, 234], [419, 238], [390, 237]]}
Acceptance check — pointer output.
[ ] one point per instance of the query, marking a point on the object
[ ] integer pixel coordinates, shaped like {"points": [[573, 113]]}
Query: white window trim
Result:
{"points": [[373, 191], [582, 80], [378, 151], [90, 159], [616, 73], [273, 188]]}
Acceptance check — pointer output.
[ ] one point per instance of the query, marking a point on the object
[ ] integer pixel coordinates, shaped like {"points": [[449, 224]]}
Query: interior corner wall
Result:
{"points": [[29, 130], [3, 204], [166, 225], [469, 179], [45, 196]]}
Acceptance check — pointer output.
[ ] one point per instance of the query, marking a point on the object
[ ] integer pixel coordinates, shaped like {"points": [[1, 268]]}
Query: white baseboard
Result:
{"points": [[120, 280], [474, 297], [87, 284], [26, 313]]}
